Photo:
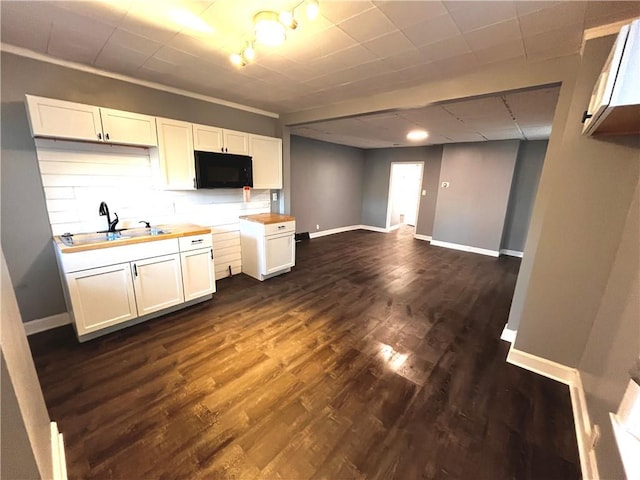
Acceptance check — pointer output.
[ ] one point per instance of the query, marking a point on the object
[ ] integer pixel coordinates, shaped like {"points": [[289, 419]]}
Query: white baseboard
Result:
{"points": [[58, 457], [466, 248], [571, 377], [511, 253], [333, 231], [47, 323], [394, 227], [426, 238], [508, 335], [373, 229]]}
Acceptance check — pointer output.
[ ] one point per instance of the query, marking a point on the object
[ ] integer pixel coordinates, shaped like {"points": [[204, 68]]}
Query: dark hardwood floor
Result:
{"points": [[378, 356]]}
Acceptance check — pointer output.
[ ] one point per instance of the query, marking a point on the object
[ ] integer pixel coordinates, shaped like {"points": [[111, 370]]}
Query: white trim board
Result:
{"points": [[25, 52], [426, 238], [47, 323], [508, 335], [58, 456], [465, 248], [570, 377], [511, 253]]}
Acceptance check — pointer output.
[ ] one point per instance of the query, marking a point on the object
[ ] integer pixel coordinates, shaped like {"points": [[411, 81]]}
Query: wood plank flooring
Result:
{"points": [[377, 357]]}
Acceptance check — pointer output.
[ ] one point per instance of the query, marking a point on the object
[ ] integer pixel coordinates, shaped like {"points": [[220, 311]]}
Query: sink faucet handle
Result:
{"points": [[146, 224]]}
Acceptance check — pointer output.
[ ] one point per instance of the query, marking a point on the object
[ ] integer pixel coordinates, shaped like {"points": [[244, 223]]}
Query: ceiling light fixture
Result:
{"points": [[417, 135], [270, 29]]}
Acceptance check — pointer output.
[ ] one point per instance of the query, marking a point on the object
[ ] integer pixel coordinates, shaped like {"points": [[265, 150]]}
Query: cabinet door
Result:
{"points": [[175, 152], [60, 119], [267, 161], [128, 128], [236, 142], [101, 297], [158, 283], [207, 139], [280, 253], [197, 273]]}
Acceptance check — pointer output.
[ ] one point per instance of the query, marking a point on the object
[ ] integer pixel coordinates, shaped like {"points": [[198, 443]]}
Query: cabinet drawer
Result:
{"points": [[194, 242], [282, 227]]}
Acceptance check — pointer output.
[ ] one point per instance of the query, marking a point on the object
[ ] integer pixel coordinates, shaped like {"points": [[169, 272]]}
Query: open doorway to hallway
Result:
{"points": [[405, 183]]}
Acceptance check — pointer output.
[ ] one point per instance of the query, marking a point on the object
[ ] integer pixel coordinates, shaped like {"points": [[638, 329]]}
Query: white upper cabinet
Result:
{"points": [[214, 139], [175, 154], [266, 153], [60, 119], [236, 142], [614, 108], [207, 139], [76, 121], [128, 128]]}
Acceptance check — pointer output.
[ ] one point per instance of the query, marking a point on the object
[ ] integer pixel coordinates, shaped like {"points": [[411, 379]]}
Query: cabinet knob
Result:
{"points": [[107, 136], [212, 254], [135, 270], [99, 136], [586, 115]]}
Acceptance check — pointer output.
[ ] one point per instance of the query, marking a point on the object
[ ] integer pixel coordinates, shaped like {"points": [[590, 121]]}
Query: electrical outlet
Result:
{"points": [[317, 227], [424, 192], [274, 196]]}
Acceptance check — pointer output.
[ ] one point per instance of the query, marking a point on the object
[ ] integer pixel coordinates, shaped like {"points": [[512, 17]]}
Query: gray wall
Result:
{"points": [[613, 344], [472, 210], [326, 184], [25, 230], [523, 193], [585, 193], [375, 192], [25, 439]]}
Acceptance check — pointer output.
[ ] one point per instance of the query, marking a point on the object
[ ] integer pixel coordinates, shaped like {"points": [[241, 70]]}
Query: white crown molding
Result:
{"points": [[24, 52]]}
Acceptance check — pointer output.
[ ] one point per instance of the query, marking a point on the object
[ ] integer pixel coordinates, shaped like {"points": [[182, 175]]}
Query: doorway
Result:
{"points": [[405, 184]]}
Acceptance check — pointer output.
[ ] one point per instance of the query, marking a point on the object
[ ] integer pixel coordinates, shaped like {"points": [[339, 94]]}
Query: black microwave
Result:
{"points": [[223, 170]]}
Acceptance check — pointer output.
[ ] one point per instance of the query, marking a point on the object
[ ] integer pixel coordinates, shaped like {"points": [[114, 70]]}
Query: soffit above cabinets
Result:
{"points": [[354, 48], [523, 115]]}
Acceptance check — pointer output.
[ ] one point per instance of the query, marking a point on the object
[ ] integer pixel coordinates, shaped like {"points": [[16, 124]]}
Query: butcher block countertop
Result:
{"points": [[92, 241], [268, 218]]}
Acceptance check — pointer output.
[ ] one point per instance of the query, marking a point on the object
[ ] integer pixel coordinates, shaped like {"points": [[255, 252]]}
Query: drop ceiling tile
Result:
{"points": [[405, 14], [530, 6], [553, 18], [120, 59], [339, 11], [432, 30], [23, 27], [499, 53], [480, 107], [131, 41], [493, 35], [109, 12], [452, 47], [390, 44], [175, 57], [367, 25], [74, 45], [155, 65], [470, 16], [406, 59], [569, 37], [503, 135], [342, 59], [142, 23], [603, 13]]}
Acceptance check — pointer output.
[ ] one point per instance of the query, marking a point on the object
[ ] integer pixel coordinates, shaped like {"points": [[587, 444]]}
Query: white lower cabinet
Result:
{"points": [[267, 249], [101, 297], [111, 286], [157, 283], [197, 273], [279, 252]]}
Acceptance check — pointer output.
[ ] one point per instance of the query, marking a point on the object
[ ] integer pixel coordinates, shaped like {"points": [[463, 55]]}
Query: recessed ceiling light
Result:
{"points": [[417, 135]]}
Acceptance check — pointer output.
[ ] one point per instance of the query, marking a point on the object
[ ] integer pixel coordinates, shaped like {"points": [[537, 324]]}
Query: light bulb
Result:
{"points": [[286, 18], [313, 8], [268, 29], [249, 53], [237, 60]]}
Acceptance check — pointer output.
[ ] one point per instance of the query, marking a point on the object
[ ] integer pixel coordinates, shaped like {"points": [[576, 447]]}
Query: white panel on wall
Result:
{"points": [[77, 177]]}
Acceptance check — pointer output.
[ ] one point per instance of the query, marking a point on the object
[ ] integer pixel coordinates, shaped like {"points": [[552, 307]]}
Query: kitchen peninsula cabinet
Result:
{"points": [[75, 121], [112, 284], [175, 155]]}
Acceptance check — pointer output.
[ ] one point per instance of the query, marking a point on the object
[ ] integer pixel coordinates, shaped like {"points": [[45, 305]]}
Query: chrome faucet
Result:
{"points": [[104, 210]]}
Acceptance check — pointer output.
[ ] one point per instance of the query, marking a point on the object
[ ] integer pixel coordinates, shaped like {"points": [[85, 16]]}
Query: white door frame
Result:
{"points": [[389, 198]]}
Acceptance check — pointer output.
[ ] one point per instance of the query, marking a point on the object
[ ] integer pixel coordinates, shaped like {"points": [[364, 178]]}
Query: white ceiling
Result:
{"points": [[354, 49], [525, 115]]}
